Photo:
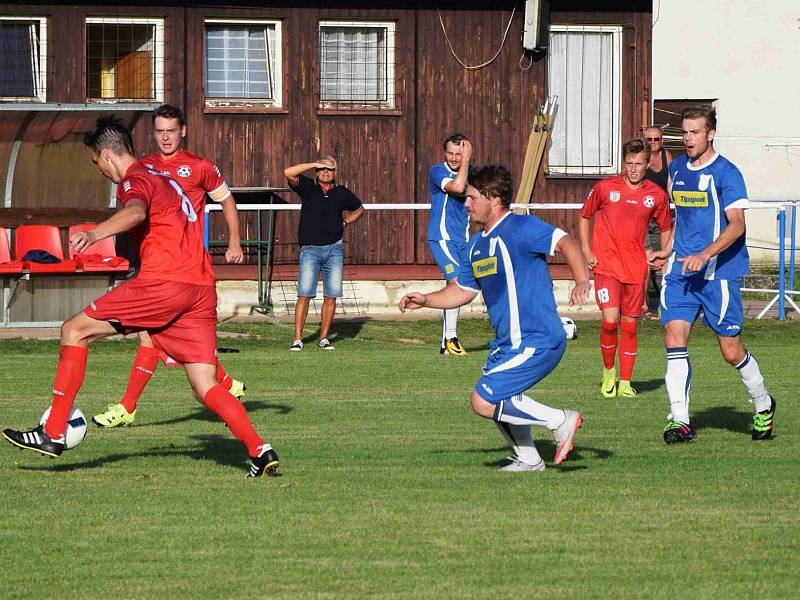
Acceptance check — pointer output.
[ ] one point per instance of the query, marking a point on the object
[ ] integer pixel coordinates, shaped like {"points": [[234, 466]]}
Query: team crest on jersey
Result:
{"points": [[449, 268], [649, 201], [184, 171], [690, 199], [484, 267], [614, 196], [126, 185]]}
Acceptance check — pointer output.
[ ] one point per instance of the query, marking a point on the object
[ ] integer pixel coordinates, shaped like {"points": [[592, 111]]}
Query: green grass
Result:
{"points": [[388, 486]]}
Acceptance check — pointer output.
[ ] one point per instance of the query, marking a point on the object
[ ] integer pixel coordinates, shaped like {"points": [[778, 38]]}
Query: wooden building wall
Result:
{"points": [[383, 157]]}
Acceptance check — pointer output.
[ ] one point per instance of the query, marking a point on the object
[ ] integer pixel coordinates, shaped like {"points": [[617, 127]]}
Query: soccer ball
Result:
{"points": [[569, 328], [76, 426]]}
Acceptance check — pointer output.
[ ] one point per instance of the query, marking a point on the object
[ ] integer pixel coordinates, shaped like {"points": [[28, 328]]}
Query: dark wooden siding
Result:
{"points": [[383, 157]]}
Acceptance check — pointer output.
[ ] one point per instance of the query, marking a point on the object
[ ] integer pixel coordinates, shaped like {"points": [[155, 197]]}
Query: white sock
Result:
{"points": [[678, 380], [449, 323], [754, 382], [522, 410], [519, 436]]}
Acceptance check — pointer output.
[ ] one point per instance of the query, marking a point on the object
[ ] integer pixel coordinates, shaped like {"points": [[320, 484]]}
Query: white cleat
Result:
{"points": [[564, 435], [517, 466]]}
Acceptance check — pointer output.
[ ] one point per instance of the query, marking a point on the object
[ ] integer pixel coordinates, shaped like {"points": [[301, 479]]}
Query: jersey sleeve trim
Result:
{"points": [[743, 203], [466, 288], [557, 235], [444, 182]]}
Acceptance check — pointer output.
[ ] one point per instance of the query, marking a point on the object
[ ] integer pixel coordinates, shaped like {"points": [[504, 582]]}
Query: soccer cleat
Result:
{"points": [[453, 347], [325, 344], [237, 389], [265, 464], [36, 439], [115, 416], [518, 466], [763, 422], [609, 386], [678, 433], [296, 346], [625, 390], [564, 435]]}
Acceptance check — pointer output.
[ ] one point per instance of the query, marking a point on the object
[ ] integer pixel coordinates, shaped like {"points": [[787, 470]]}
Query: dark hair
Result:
{"points": [[455, 138], [110, 132], [702, 111], [168, 111], [635, 146], [493, 181]]}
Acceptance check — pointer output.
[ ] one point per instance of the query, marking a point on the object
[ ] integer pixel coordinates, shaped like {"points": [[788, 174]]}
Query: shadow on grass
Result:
{"points": [[224, 451], [547, 450], [723, 417], [201, 413], [649, 385], [340, 330]]}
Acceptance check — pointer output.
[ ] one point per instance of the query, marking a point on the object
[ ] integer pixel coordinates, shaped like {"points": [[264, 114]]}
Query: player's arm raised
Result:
{"points": [[458, 186], [732, 232], [451, 296], [580, 273], [293, 173], [134, 212]]}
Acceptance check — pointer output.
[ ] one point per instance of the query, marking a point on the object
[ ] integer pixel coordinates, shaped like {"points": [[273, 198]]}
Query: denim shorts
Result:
{"points": [[328, 259]]}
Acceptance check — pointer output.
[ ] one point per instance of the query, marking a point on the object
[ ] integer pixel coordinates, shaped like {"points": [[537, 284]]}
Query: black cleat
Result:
{"points": [[36, 439], [678, 433], [763, 422], [265, 464]]}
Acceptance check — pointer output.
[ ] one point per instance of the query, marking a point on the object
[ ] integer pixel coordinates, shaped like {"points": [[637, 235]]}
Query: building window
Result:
{"points": [[243, 63], [356, 65], [584, 64], [124, 59], [23, 58]]}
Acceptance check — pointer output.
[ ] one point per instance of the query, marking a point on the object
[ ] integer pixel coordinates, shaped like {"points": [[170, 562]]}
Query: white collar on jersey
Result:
{"points": [[704, 165], [500, 220]]}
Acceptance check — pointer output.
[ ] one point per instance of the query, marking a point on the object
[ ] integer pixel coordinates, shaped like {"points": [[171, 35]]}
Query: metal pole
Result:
{"points": [[792, 245], [782, 264], [268, 282]]}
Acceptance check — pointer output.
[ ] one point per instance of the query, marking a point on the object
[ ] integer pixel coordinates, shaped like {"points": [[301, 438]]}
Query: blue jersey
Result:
{"points": [[508, 265], [449, 220], [701, 196]]}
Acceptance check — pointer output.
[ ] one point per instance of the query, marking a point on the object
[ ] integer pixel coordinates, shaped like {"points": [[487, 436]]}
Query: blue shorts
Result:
{"points": [[328, 259], [510, 372], [447, 255], [719, 299]]}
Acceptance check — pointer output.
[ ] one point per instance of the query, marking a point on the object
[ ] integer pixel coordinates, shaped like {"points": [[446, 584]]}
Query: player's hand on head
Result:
{"points": [[466, 150], [234, 254]]}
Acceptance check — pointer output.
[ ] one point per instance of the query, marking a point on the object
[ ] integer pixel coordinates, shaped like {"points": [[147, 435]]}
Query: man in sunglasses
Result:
{"points": [[327, 208]]}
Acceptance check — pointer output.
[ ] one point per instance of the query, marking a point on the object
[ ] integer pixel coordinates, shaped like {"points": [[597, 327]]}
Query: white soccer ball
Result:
{"points": [[569, 328], [76, 426]]}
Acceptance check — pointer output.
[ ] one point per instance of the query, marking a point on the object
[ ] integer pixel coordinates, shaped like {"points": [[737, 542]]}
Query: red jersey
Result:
{"points": [[171, 239], [621, 216], [197, 176]]}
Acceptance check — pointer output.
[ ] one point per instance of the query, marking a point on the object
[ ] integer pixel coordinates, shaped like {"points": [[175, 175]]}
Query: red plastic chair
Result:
{"points": [[100, 256], [7, 266], [41, 237]]}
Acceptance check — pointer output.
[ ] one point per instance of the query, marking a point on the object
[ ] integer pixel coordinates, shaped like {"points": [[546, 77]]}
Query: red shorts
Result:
{"points": [[181, 318], [612, 293]]}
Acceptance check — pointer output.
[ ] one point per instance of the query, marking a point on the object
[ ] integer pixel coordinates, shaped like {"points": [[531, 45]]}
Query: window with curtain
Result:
{"points": [[23, 58], [356, 66], [124, 59], [583, 66], [242, 62]]}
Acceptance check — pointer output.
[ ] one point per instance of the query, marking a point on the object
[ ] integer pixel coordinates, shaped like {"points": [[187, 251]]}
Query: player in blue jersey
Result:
{"points": [[449, 225], [507, 262], [706, 260]]}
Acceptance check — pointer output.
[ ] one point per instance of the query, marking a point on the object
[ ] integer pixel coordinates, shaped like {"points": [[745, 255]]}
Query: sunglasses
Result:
{"points": [[326, 169], [658, 139]]}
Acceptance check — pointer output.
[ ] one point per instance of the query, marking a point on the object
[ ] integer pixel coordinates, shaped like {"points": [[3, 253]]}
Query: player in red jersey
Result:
{"points": [[622, 206], [198, 177], [173, 298]]}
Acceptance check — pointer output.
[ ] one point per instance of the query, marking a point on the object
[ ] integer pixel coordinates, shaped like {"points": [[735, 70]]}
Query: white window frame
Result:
{"points": [[40, 69], [277, 66], [391, 53], [615, 126], [158, 55]]}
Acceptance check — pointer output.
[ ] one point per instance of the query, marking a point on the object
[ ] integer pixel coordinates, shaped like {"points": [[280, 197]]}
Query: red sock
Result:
{"points": [[225, 406], [627, 350], [222, 377], [608, 343], [69, 378], [142, 369]]}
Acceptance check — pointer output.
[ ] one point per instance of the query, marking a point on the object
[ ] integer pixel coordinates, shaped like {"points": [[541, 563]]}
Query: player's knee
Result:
{"points": [[72, 331], [733, 352], [480, 406]]}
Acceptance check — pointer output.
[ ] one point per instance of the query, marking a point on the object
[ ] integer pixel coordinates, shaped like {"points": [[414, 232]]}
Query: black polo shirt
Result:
{"points": [[321, 213]]}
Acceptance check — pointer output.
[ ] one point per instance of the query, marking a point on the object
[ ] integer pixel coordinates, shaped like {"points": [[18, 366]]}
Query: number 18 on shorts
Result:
{"points": [[612, 293]]}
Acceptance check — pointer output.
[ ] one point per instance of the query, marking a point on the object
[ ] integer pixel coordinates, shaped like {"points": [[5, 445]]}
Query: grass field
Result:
{"points": [[388, 486]]}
